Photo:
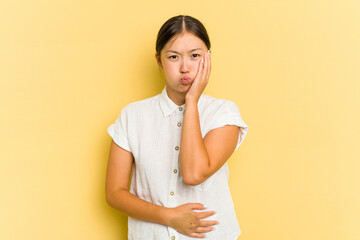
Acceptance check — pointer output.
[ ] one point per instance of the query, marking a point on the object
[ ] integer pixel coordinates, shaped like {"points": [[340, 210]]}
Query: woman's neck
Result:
{"points": [[177, 98]]}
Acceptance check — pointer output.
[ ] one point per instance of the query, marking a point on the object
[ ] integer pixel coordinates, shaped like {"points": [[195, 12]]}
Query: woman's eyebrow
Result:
{"points": [[195, 49], [192, 50]]}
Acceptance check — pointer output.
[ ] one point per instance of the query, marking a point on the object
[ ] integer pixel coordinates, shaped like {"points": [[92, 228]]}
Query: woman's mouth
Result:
{"points": [[185, 80]]}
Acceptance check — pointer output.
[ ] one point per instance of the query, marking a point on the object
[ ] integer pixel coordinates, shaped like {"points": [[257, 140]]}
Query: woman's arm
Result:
{"points": [[117, 193], [200, 158], [182, 218]]}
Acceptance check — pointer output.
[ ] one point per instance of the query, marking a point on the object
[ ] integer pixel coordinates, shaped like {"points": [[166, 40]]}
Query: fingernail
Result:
{"points": [[204, 206]]}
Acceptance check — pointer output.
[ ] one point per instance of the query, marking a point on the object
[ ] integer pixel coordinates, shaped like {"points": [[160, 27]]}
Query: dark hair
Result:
{"points": [[179, 24]]}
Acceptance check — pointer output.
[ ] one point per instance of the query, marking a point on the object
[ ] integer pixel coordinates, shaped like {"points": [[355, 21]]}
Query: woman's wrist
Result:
{"points": [[191, 100], [167, 216]]}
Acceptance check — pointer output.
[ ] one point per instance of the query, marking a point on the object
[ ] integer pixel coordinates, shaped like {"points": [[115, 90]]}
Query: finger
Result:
{"points": [[209, 66], [197, 235], [204, 229], [206, 71], [207, 223], [197, 206], [202, 215], [205, 67], [200, 69]]}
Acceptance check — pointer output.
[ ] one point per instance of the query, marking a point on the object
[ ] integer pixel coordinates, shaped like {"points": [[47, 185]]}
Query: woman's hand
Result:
{"points": [[188, 222], [201, 79]]}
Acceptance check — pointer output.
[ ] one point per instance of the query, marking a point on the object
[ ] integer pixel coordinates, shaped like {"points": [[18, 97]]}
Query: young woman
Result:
{"points": [[178, 143]]}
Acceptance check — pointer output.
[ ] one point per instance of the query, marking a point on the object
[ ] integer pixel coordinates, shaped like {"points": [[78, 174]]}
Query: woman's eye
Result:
{"points": [[196, 55], [173, 57]]}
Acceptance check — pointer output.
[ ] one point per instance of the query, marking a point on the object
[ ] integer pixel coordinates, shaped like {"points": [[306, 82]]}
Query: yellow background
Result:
{"points": [[67, 67]]}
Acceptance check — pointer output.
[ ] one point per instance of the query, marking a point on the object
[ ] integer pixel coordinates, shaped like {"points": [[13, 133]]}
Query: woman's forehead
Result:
{"points": [[185, 42]]}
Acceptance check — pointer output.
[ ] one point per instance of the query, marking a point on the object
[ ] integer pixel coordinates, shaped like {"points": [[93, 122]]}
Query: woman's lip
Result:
{"points": [[185, 80]]}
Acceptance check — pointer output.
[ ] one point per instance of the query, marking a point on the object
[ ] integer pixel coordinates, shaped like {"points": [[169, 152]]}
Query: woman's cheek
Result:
{"points": [[172, 66], [172, 70], [197, 65]]}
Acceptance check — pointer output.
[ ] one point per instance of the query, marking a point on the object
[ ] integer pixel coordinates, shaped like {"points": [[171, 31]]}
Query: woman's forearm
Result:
{"points": [[194, 159], [182, 218], [138, 208]]}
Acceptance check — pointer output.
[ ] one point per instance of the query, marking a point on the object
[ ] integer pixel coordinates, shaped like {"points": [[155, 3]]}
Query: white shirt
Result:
{"points": [[151, 130]]}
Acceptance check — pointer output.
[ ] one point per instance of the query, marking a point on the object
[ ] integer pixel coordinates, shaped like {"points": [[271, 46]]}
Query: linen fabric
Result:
{"points": [[151, 130]]}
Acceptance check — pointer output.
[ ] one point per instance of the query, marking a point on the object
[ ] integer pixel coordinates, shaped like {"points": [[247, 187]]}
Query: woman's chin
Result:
{"points": [[185, 89]]}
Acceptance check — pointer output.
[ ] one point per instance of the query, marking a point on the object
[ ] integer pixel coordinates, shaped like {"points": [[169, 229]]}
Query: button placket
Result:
{"points": [[173, 235], [177, 119]]}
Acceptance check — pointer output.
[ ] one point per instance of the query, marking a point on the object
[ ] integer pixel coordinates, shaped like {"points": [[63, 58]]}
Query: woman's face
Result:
{"points": [[179, 60]]}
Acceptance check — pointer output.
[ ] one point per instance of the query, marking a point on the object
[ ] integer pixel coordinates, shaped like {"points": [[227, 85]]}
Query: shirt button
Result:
{"points": [[180, 109], [172, 193], [179, 124], [175, 171], [173, 238], [177, 148]]}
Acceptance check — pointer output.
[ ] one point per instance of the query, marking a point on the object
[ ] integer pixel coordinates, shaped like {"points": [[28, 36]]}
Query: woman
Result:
{"points": [[178, 143]]}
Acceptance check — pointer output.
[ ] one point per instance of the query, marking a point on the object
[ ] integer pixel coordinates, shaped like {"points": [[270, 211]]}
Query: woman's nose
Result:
{"points": [[184, 67]]}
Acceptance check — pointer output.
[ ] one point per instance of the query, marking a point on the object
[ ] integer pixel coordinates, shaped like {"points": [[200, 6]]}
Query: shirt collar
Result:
{"points": [[167, 105]]}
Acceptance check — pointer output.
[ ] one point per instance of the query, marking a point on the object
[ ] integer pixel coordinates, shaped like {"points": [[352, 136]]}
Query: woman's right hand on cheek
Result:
{"points": [[201, 80], [189, 222]]}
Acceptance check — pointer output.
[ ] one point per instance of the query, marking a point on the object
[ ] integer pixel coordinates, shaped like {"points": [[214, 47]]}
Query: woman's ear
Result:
{"points": [[158, 60]]}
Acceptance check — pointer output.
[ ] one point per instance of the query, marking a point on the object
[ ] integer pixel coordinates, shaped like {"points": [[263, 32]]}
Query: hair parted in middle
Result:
{"points": [[180, 24]]}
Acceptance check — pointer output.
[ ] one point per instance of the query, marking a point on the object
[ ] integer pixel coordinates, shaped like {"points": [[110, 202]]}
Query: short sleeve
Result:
{"points": [[227, 114], [118, 131]]}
